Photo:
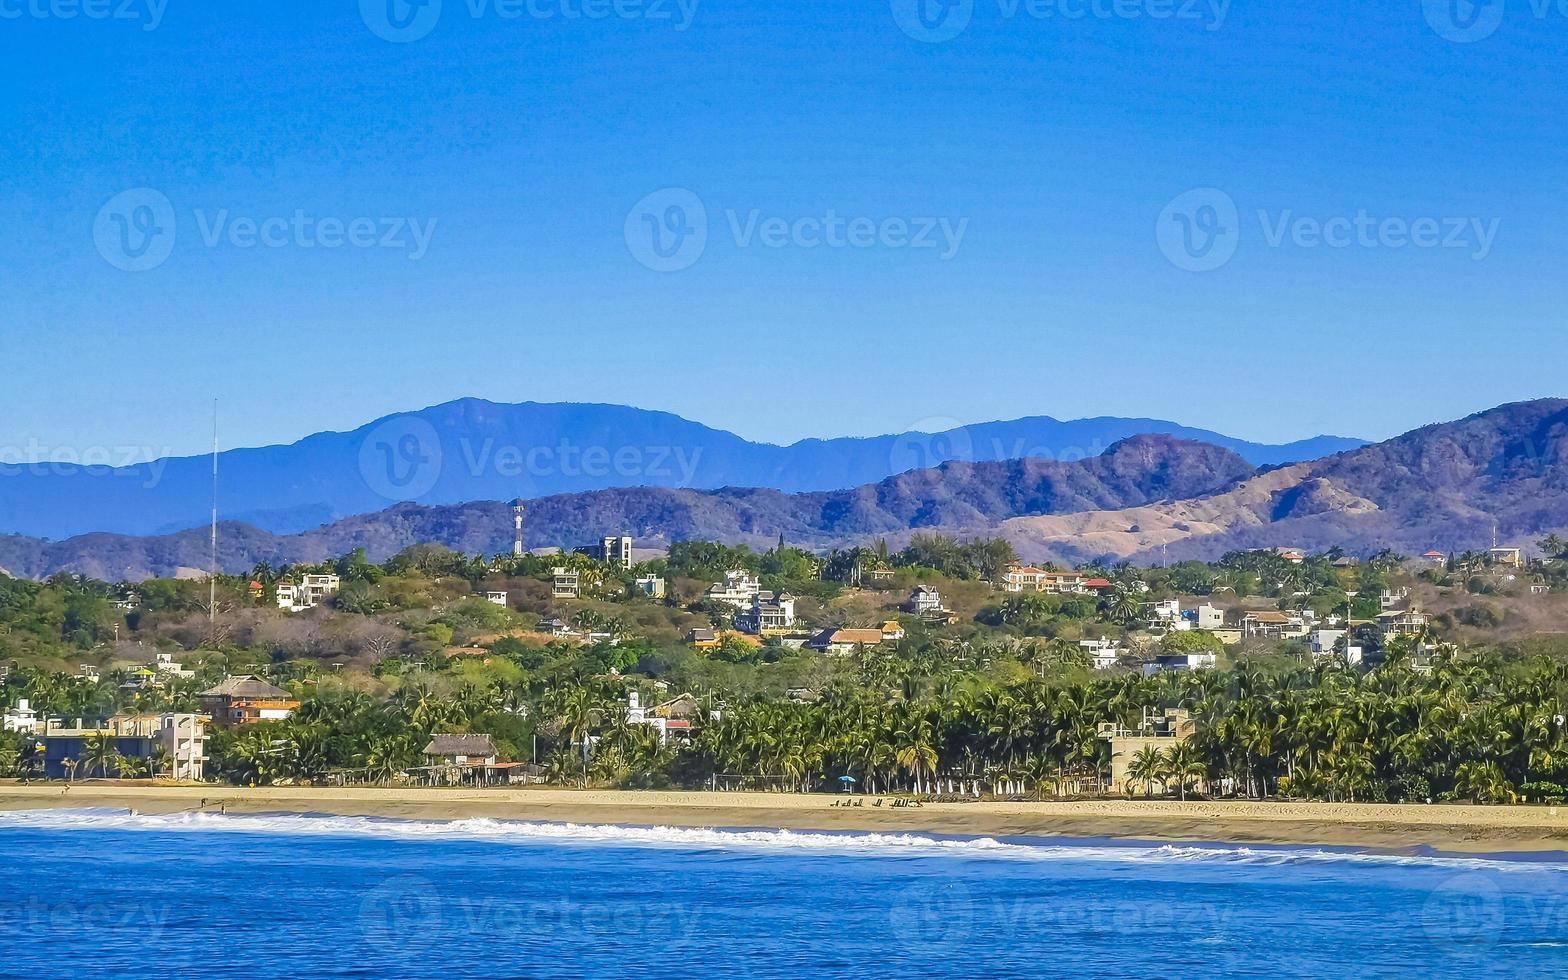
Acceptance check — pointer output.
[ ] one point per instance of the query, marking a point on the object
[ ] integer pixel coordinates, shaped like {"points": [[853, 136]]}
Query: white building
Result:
{"points": [[496, 598], [739, 589], [316, 589], [183, 738], [567, 583], [1104, 653], [1207, 617], [164, 665], [1181, 662], [21, 718], [651, 586], [772, 613], [925, 600], [311, 592]]}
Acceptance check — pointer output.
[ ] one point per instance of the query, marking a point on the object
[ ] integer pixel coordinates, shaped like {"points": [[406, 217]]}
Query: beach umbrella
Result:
{"points": [[848, 782]]}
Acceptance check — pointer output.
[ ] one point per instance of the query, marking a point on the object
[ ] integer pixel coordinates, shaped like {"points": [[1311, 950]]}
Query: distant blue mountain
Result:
{"points": [[471, 450]]}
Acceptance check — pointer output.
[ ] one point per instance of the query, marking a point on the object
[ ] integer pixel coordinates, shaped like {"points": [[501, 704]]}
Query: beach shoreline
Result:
{"points": [[1382, 827]]}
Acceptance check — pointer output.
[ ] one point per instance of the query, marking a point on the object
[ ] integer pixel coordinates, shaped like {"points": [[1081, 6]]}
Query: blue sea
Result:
{"points": [[101, 893]]}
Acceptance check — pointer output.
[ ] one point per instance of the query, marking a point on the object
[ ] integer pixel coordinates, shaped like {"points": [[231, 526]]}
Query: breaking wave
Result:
{"points": [[737, 840]]}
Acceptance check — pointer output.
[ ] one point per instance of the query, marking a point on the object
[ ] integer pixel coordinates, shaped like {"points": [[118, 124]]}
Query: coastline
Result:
{"points": [[1390, 828]]}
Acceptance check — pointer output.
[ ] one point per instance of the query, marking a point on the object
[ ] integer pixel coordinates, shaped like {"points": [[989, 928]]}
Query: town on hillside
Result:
{"points": [[946, 669]]}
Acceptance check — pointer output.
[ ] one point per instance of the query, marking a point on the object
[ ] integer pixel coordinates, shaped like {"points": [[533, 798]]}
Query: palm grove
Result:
{"points": [[1003, 702]]}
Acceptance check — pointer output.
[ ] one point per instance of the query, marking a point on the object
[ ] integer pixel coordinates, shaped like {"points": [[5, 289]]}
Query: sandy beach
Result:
{"points": [[1463, 829]]}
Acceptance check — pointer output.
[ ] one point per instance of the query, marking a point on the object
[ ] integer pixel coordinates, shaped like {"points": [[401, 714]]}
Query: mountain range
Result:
{"points": [[470, 450], [1450, 486]]}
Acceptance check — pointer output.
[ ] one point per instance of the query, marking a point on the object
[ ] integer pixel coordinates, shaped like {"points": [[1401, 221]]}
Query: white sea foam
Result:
{"points": [[703, 839]]}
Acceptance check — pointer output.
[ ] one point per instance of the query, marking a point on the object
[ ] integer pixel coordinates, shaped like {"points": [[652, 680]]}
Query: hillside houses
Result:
{"points": [[1027, 578], [740, 589]]}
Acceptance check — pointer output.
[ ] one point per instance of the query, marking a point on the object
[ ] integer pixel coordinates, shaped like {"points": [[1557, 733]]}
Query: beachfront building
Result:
{"points": [[173, 743], [470, 758], [246, 700], [672, 719], [1158, 731]]}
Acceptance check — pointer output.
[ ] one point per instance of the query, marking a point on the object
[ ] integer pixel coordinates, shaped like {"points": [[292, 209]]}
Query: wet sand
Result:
{"points": [[1463, 829]]}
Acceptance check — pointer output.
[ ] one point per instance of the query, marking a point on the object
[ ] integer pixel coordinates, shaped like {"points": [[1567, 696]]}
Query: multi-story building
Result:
{"points": [[739, 589], [1104, 653], [615, 550], [22, 718], [246, 700], [1027, 578], [925, 600], [772, 613], [311, 591], [567, 583], [180, 740]]}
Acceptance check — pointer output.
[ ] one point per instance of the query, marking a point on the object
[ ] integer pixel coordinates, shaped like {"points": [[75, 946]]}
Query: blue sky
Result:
{"points": [[500, 169]]}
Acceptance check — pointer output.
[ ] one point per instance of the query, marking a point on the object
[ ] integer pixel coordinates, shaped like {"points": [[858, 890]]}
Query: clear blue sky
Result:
{"points": [[1055, 142]]}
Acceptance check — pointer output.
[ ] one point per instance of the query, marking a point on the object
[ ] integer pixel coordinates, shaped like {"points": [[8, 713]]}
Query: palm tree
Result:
{"points": [[1148, 766], [1183, 763], [916, 754], [98, 751]]}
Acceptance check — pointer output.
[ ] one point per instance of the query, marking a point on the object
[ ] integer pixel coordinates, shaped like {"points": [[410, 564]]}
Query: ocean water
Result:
{"points": [[100, 893]]}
